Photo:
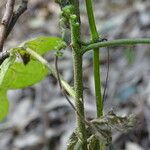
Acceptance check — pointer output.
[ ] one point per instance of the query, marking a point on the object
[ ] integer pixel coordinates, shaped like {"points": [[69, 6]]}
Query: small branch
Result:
{"points": [[5, 21], [22, 8], [113, 43]]}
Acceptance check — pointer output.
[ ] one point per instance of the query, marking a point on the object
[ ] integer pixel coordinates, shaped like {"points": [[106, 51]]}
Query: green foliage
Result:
{"points": [[20, 76], [41, 45], [4, 105], [28, 71], [3, 98], [3, 70]]}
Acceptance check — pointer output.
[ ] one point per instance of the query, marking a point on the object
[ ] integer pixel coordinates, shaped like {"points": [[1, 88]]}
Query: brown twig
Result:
{"points": [[5, 21], [21, 9]]}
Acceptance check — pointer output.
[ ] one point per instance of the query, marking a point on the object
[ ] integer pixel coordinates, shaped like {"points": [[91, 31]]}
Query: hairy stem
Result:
{"points": [[119, 42], [78, 83], [75, 3], [79, 104]]}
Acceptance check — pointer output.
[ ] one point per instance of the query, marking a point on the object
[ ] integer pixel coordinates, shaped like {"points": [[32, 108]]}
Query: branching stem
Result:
{"points": [[119, 42], [97, 79]]}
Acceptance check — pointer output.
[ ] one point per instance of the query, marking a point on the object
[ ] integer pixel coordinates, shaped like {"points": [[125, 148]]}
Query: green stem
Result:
{"points": [[96, 66], [75, 3], [113, 43], [97, 79], [78, 83], [79, 103]]}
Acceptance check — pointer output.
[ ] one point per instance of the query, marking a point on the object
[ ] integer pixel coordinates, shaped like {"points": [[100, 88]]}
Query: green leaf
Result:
{"points": [[3, 70], [3, 98], [42, 45], [20, 76], [4, 105]]}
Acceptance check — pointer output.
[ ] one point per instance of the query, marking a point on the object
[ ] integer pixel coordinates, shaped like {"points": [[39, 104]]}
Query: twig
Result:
{"points": [[5, 21], [22, 8]]}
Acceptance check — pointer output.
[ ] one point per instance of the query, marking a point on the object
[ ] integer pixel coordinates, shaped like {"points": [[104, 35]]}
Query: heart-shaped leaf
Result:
{"points": [[4, 105]]}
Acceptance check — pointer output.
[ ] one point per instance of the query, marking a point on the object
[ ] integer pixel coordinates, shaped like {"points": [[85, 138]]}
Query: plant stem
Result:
{"points": [[79, 103], [96, 66], [75, 3], [78, 83], [113, 43], [97, 79]]}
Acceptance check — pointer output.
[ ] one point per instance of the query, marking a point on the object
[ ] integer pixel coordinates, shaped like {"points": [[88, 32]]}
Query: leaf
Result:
{"points": [[3, 70], [42, 45], [21, 76], [4, 105], [3, 98]]}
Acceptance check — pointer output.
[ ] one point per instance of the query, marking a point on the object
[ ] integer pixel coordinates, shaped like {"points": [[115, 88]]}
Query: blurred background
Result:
{"points": [[41, 119]]}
